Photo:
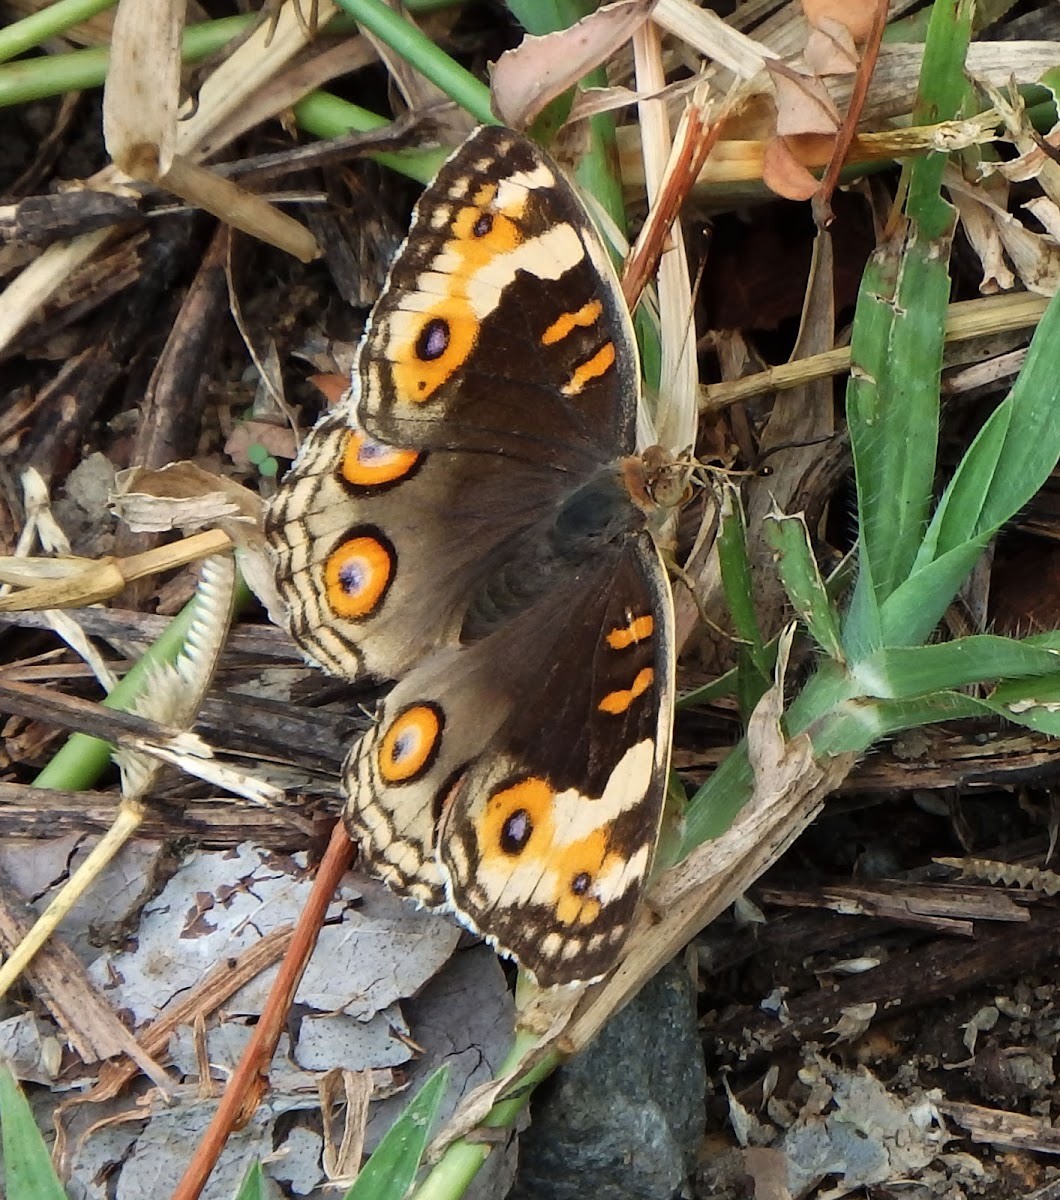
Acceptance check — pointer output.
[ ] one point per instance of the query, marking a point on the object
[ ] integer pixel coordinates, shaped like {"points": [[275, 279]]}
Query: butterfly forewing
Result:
{"points": [[502, 327]]}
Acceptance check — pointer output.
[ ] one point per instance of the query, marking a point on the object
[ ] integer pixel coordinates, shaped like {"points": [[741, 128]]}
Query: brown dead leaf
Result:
{"points": [[856, 15], [1047, 213], [1035, 256], [181, 495], [803, 102], [90, 581], [333, 387], [784, 174], [830, 49], [277, 439], [768, 1168], [351, 1091], [982, 232], [539, 69], [140, 108], [142, 92]]}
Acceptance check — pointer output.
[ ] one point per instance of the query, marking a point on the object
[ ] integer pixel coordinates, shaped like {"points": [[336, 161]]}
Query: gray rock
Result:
{"points": [[623, 1120]]}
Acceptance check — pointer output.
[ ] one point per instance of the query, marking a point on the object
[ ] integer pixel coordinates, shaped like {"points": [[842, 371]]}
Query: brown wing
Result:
{"points": [[380, 553], [384, 535], [524, 774], [502, 327]]}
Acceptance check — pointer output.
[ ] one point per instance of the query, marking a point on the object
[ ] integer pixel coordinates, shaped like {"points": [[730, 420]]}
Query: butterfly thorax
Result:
{"points": [[597, 513]]}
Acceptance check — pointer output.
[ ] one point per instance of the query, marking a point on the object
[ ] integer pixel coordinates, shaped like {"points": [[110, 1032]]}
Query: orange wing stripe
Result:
{"points": [[600, 363], [618, 702], [639, 629], [587, 315]]}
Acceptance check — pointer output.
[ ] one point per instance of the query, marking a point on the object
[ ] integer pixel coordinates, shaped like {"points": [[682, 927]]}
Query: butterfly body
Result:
{"points": [[473, 522]]}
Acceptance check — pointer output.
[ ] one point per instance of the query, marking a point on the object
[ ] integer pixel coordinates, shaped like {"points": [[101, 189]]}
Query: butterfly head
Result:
{"points": [[656, 480]]}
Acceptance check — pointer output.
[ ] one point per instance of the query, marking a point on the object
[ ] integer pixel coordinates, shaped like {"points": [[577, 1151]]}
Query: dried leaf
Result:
{"points": [[985, 238], [539, 69], [784, 174], [278, 440], [855, 15], [1047, 213], [142, 92], [803, 102], [181, 495], [830, 49]]}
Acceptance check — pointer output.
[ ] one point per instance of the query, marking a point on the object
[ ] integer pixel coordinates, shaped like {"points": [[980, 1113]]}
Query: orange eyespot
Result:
{"points": [[410, 743], [514, 814], [358, 573], [370, 464], [580, 865], [442, 342]]}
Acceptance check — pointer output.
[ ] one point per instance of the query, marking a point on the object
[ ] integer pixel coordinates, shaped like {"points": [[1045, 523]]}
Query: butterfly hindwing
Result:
{"points": [[526, 772], [381, 552]]}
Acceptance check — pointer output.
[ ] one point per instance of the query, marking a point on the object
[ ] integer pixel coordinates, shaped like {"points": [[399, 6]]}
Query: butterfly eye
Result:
{"points": [[410, 743]]}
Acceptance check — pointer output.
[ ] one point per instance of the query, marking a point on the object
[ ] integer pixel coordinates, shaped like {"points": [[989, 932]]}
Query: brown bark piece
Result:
{"points": [[903, 984], [997, 1127], [946, 908]]}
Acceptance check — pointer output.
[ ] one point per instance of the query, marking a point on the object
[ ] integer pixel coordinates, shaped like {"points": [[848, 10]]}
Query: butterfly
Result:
{"points": [[473, 521]]}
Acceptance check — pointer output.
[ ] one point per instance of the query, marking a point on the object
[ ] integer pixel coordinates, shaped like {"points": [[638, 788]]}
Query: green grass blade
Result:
{"points": [[893, 413], [389, 1173], [28, 1170], [326, 116], [539, 17], [254, 1185], [714, 806], [942, 95], [916, 607], [1049, 640], [908, 671], [896, 350], [752, 665], [1034, 703], [854, 726], [56, 74], [1010, 459], [717, 689], [20, 36], [417, 49], [802, 581], [1013, 454], [460, 1163]]}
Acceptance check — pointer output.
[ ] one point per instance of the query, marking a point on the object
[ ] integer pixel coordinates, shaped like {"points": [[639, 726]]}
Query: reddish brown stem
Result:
{"points": [[249, 1081], [822, 198]]}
